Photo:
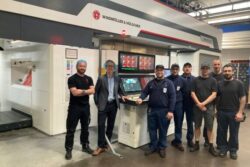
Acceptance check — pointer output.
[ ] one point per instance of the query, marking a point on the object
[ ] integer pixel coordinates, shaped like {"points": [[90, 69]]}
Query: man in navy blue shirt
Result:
{"points": [[188, 102], [161, 104], [179, 84]]}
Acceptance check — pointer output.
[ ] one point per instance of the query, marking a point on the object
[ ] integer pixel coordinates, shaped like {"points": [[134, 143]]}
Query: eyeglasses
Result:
{"points": [[110, 65]]}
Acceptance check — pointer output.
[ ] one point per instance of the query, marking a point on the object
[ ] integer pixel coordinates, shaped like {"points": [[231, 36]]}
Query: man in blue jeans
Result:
{"points": [[232, 100], [180, 86], [161, 104]]}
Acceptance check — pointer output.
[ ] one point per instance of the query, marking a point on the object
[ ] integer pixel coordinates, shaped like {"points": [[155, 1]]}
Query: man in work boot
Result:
{"points": [[204, 91]]}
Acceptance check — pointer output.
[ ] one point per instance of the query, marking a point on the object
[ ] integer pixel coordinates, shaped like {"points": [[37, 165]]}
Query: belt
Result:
{"points": [[110, 102]]}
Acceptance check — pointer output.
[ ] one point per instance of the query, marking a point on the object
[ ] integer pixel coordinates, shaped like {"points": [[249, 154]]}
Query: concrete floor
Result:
{"points": [[30, 148]]}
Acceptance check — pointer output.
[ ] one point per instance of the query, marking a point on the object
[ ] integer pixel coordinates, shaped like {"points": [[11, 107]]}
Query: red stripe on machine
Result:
{"points": [[173, 38]]}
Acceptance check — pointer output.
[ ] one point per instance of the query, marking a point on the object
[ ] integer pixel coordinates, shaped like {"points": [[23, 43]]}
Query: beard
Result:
{"points": [[228, 77], [81, 71]]}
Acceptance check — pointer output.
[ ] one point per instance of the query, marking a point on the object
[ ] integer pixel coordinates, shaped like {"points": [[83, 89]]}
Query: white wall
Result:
{"points": [[41, 88], [59, 89], [193, 58], [162, 59], [236, 40], [235, 54], [5, 81]]}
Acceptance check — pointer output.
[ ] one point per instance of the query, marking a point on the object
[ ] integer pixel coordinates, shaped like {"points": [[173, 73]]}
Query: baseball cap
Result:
{"points": [[175, 66], [187, 64], [205, 65], [159, 66]]}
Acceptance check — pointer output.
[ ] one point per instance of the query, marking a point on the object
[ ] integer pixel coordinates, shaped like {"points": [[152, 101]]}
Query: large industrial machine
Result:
{"points": [[135, 71]]}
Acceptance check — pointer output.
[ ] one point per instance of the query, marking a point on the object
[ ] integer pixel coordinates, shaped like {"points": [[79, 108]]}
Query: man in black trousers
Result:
{"points": [[107, 90], [232, 100], [80, 86]]}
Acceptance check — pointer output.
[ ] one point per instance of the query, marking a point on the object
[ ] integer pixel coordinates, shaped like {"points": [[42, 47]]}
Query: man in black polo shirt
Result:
{"points": [[80, 86], [232, 99], [203, 92]]}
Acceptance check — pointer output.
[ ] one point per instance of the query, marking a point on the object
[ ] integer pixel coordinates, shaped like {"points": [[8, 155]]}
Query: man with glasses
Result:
{"points": [[107, 90]]}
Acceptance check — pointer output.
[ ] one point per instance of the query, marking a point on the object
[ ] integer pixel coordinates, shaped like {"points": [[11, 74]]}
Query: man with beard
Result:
{"points": [[80, 86], [204, 90], [188, 103], [161, 104], [232, 100]]}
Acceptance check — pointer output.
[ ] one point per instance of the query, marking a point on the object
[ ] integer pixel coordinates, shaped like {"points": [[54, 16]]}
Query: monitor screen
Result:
{"points": [[167, 72], [128, 62], [147, 63], [136, 63], [144, 80], [131, 85]]}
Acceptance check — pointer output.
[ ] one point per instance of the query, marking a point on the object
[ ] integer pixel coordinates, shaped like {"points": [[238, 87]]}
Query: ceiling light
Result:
{"points": [[242, 5], [229, 19]]}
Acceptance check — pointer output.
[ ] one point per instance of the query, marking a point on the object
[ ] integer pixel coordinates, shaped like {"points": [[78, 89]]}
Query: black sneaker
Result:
{"points": [[206, 144], [233, 155], [190, 144], [68, 155], [212, 151], [149, 152], [87, 149], [196, 147], [162, 153], [222, 154]]}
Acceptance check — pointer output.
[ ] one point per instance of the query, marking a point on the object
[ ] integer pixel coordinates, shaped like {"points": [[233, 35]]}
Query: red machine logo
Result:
{"points": [[96, 14]]}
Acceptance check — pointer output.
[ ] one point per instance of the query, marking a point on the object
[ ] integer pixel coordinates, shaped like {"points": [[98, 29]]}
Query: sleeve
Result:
{"points": [[242, 90], [145, 91], [71, 83], [120, 90], [214, 87], [193, 85], [91, 83], [171, 97], [97, 89]]}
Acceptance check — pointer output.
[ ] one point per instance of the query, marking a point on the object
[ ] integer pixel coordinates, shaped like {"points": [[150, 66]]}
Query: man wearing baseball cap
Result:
{"points": [[161, 104], [188, 102], [203, 92], [180, 86]]}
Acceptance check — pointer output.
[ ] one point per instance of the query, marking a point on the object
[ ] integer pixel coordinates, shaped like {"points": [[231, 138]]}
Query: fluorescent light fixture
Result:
{"points": [[220, 9], [226, 8], [229, 19], [193, 14], [242, 5]]}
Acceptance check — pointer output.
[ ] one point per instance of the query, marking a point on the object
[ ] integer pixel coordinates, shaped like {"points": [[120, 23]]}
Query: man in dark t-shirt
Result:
{"points": [[80, 86], [218, 75], [203, 92], [232, 99]]}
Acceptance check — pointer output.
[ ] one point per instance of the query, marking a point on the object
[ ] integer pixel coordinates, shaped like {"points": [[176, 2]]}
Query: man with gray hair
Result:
{"points": [[80, 86]]}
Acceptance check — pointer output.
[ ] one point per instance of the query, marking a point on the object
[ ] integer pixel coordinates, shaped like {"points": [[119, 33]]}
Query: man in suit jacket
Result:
{"points": [[106, 99]]}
